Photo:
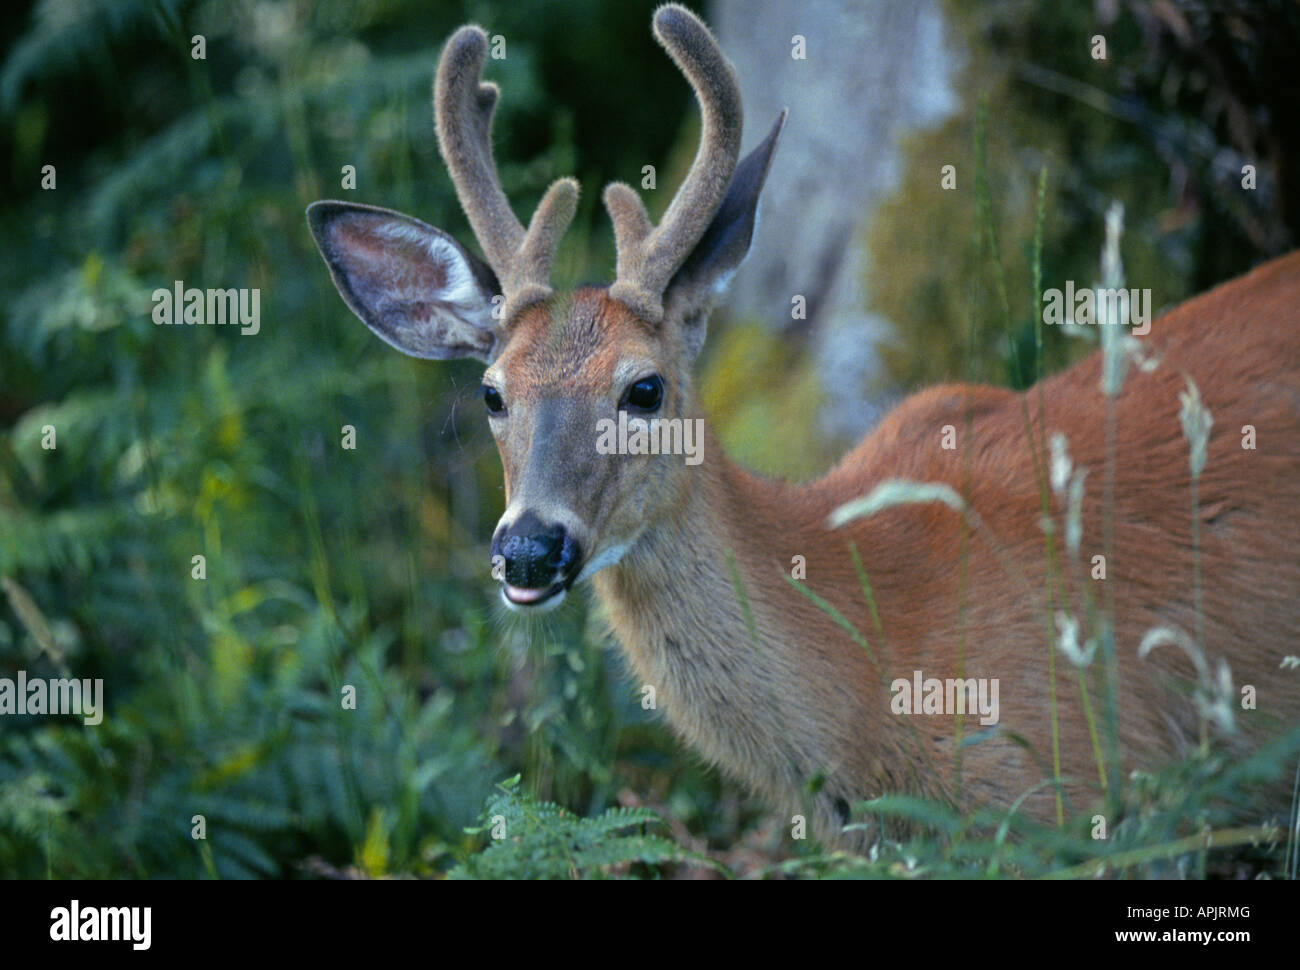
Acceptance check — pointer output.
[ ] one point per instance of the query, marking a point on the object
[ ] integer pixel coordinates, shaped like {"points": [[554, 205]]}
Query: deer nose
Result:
{"points": [[536, 555]]}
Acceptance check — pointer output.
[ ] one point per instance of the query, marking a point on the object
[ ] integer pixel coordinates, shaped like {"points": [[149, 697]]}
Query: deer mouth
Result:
{"points": [[522, 600]]}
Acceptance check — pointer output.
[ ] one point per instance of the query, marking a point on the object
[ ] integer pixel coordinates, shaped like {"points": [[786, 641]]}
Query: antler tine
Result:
{"points": [[462, 108], [649, 255]]}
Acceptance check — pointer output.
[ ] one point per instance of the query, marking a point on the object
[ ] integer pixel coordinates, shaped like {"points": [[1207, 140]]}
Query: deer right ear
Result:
{"points": [[724, 245], [412, 284]]}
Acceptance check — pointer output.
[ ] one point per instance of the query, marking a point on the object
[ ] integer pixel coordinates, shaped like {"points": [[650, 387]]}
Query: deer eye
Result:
{"points": [[645, 395], [492, 398]]}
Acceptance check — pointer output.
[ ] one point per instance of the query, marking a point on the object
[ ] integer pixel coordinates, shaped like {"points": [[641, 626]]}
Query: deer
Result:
{"points": [[756, 672]]}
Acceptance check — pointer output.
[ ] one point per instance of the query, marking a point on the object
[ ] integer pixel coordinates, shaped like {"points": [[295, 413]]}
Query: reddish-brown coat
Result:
{"points": [[805, 700]]}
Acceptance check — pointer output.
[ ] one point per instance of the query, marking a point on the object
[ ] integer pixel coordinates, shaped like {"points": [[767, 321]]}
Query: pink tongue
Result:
{"points": [[524, 595]]}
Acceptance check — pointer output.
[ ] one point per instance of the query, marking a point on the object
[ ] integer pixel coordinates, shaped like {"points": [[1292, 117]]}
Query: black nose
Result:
{"points": [[536, 555]]}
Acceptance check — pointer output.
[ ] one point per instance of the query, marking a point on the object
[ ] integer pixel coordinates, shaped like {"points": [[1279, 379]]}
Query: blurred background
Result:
{"points": [[327, 566]]}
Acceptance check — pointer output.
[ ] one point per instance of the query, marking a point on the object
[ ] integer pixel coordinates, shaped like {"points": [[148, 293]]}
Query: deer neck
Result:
{"points": [[677, 580], [727, 669]]}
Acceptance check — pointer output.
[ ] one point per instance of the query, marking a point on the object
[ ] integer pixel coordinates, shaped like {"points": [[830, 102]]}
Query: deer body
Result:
{"points": [[693, 561], [805, 700]]}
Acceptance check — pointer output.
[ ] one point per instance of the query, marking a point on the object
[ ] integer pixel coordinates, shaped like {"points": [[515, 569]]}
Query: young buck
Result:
{"points": [[693, 560]]}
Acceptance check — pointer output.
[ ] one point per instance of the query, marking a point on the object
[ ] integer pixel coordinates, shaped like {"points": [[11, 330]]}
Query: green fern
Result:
{"points": [[541, 840]]}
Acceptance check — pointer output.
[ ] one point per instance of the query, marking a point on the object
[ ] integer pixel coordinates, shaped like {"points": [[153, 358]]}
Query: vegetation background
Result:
{"points": [[367, 567]]}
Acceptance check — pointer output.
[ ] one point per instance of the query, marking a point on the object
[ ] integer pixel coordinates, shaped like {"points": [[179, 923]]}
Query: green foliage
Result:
{"points": [[1144, 125], [541, 840], [1174, 823], [324, 567]]}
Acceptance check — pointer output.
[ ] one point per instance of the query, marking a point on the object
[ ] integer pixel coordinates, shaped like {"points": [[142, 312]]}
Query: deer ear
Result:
{"points": [[412, 284], [724, 245]]}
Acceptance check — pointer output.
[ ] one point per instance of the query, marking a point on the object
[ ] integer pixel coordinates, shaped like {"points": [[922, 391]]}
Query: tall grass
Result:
{"points": [[1146, 811]]}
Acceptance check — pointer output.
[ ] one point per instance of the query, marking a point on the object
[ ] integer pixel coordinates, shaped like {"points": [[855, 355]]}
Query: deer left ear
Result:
{"points": [[724, 245], [412, 284]]}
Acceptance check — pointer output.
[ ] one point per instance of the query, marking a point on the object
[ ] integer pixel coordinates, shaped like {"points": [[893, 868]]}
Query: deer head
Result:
{"points": [[558, 364]]}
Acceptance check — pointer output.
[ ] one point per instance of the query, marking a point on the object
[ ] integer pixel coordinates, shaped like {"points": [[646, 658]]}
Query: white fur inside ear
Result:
{"points": [[460, 293], [462, 290]]}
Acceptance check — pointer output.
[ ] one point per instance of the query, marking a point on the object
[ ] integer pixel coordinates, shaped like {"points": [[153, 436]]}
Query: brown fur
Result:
{"points": [[805, 700]]}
